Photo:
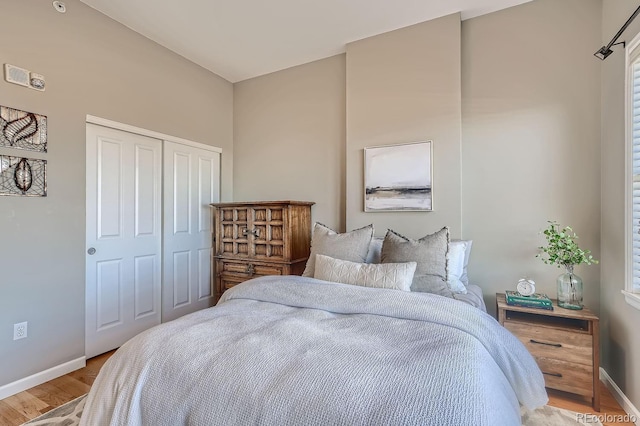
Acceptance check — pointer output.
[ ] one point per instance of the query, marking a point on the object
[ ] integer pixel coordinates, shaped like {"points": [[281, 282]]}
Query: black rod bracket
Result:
{"points": [[605, 51]]}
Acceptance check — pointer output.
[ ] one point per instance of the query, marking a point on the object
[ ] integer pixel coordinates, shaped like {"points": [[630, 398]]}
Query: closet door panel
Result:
{"points": [[191, 183]]}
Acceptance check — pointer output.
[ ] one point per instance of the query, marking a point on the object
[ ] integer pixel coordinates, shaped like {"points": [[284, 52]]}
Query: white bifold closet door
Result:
{"points": [[191, 183], [123, 236], [148, 232]]}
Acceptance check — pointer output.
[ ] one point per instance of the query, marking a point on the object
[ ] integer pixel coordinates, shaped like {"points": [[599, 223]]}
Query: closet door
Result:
{"points": [[123, 236], [191, 183]]}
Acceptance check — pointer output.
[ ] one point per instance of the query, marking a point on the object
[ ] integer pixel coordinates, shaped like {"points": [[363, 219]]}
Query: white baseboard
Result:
{"points": [[42, 377], [619, 396]]}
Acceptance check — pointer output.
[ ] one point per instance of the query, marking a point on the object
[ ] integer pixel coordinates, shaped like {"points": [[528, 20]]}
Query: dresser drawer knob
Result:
{"points": [[552, 374], [251, 269], [555, 345]]}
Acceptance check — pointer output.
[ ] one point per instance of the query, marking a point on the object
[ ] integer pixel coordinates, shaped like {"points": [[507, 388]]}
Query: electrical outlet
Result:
{"points": [[19, 330]]}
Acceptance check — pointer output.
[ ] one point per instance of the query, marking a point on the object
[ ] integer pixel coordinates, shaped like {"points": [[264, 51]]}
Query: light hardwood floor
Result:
{"points": [[608, 405], [31, 403]]}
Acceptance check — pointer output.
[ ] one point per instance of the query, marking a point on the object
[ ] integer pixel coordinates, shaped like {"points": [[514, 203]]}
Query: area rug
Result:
{"points": [[552, 416], [65, 415], [69, 415]]}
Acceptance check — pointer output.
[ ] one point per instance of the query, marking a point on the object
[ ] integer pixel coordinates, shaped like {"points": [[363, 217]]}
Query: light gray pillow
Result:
{"points": [[352, 246], [455, 277], [375, 248], [395, 276], [430, 254], [455, 266]]}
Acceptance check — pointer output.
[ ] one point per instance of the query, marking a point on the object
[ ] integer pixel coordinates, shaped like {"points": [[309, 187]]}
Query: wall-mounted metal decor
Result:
{"points": [[23, 130], [23, 176]]}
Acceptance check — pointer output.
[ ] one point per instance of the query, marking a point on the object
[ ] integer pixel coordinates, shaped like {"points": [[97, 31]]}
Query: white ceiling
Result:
{"points": [[241, 39]]}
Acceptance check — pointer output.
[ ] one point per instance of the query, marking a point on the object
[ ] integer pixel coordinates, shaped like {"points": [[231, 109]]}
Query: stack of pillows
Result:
{"points": [[432, 264]]}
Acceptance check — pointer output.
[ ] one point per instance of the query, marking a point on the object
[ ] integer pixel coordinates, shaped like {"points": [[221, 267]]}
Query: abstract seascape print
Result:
{"points": [[398, 178]]}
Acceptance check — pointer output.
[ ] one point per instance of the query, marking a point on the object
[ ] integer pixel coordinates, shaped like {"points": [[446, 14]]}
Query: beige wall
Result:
{"points": [[522, 81], [528, 150], [619, 321], [95, 66], [404, 86], [289, 138], [530, 140]]}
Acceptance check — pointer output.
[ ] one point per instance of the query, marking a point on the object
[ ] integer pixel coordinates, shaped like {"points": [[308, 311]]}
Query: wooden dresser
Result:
{"points": [[253, 239], [564, 342]]}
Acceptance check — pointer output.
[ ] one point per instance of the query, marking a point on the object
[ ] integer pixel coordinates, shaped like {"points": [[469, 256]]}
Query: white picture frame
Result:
{"points": [[399, 177]]}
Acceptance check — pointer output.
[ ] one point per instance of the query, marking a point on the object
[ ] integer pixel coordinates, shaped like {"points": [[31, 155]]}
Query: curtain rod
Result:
{"points": [[605, 51]]}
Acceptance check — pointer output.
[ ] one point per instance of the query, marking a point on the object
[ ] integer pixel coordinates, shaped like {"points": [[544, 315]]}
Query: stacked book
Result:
{"points": [[536, 300]]}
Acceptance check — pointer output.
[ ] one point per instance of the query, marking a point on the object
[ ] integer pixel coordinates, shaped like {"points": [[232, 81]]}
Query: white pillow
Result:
{"points": [[456, 266], [467, 247], [397, 276]]}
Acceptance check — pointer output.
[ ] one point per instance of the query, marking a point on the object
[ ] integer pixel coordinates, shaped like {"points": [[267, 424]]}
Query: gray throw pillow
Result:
{"points": [[352, 246], [429, 252]]}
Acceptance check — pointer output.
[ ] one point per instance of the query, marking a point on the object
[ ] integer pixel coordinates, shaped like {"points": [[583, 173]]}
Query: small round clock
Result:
{"points": [[526, 287]]}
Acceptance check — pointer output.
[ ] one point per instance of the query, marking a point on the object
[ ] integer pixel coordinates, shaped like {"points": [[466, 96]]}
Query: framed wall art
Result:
{"points": [[23, 176], [23, 130], [398, 177]]}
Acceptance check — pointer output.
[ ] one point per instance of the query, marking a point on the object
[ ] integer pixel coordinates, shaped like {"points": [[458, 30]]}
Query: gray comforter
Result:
{"points": [[298, 351]]}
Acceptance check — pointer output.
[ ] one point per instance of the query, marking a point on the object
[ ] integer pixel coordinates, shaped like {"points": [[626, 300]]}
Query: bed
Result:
{"points": [[376, 332], [301, 351]]}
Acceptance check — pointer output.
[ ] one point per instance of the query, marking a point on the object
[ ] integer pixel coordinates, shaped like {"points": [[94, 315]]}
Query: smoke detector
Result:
{"points": [[59, 6]]}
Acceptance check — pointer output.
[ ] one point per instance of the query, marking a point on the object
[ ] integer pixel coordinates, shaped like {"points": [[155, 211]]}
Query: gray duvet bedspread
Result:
{"points": [[298, 351]]}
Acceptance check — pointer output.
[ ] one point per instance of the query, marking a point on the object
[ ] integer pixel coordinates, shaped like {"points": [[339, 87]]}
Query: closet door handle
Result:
{"points": [[555, 345]]}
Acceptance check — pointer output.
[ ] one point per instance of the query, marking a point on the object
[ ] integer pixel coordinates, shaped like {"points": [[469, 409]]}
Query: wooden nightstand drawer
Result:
{"points": [[552, 343], [567, 376], [564, 343]]}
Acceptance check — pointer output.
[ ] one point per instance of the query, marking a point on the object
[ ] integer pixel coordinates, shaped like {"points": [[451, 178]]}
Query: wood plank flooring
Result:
{"points": [[33, 402], [608, 405]]}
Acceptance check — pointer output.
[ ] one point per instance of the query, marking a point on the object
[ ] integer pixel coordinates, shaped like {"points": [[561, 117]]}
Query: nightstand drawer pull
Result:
{"points": [[552, 374], [555, 345]]}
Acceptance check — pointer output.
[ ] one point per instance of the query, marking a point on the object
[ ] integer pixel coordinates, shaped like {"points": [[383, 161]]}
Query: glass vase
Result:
{"points": [[569, 290]]}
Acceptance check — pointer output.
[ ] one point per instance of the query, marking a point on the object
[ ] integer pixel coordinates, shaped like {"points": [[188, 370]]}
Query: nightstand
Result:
{"points": [[564, 343]]}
